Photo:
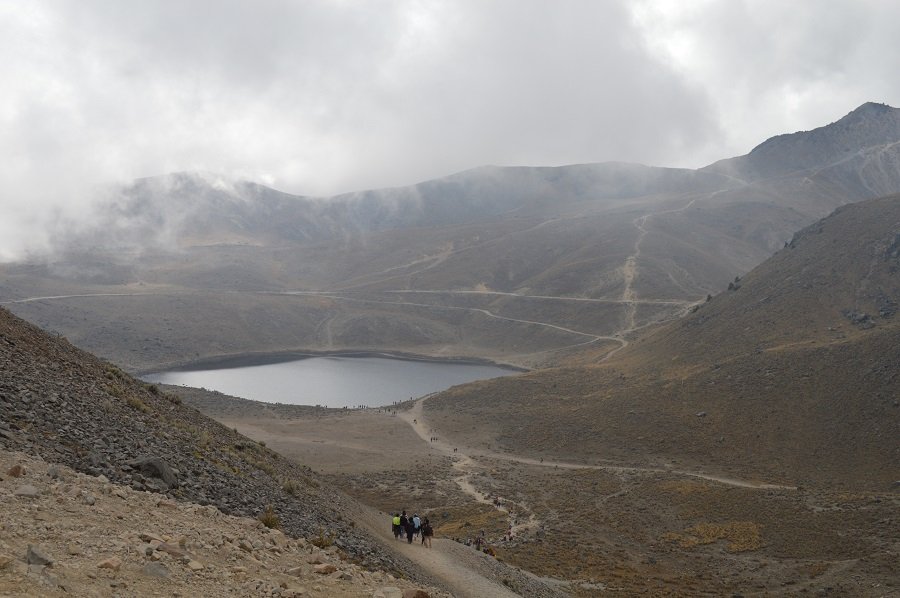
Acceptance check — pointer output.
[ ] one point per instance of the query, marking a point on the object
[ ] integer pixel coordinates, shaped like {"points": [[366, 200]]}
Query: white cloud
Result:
{"points": [[322, 96], [772, 67]]}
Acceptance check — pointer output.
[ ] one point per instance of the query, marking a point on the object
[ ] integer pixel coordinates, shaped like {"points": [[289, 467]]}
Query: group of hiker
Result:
{"points": [[411, 528]]}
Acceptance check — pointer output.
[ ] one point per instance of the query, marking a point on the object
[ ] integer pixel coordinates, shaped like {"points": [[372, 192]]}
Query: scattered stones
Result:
{"points": [[415, 593], [324, 568], [16, 471]]}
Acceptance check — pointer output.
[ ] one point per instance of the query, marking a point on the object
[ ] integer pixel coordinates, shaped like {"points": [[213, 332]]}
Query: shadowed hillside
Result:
{"points": [[791, 375]]}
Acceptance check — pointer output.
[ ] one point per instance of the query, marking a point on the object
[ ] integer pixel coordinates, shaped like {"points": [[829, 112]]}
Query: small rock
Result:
{"points": [[73, 550], [102, 479], [155, 570], [388, 592], [156, 467], [171, 549], [28, 491], [16, 471], [295, 571], [5, 560], [88, 499], [415, 593], [245, 545], [195, 566], [113, 562], [34, 556], [701, 414], [324, 569], [54, 472], [148, 537]]}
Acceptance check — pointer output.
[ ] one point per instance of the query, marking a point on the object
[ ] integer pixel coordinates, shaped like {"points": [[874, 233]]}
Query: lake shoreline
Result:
{"points": [[240, 360]]}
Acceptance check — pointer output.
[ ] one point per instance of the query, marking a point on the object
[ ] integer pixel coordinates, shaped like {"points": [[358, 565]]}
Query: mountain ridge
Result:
{"points": [[496, 255]]}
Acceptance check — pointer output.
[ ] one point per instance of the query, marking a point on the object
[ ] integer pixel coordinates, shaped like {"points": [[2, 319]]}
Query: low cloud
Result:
{"points": [[322, 97]]}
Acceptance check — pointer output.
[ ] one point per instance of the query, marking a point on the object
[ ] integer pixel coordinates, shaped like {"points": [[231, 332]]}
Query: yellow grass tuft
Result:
{"points": [[742, 536]]}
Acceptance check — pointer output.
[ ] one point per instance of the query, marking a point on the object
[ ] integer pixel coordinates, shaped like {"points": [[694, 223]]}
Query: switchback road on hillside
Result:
{"points": [[465, 462]]}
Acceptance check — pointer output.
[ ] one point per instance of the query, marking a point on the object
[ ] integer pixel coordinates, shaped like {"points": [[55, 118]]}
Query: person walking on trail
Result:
{"points": [[410, 530], [404, 520], [427, 533], [417, 524], [395, 526]]}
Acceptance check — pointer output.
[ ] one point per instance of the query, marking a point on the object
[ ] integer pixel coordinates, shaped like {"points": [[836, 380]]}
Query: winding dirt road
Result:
{"points": [[465, 463]]}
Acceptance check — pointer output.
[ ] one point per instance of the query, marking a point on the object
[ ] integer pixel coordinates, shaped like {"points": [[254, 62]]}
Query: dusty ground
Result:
{"points": [[100, 539], [601, 528]]}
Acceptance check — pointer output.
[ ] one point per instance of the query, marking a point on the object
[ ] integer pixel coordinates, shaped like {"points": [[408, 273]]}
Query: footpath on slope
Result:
{"points": [[464, 458], [466, 573]]}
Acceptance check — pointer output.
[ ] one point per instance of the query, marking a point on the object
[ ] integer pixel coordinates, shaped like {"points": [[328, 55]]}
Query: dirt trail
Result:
{"points": [[630, 268], [464, 455], [456, 569]]}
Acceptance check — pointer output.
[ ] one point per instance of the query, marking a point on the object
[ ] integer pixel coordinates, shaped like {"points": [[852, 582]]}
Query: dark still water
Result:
{"points": [[333, 381]]}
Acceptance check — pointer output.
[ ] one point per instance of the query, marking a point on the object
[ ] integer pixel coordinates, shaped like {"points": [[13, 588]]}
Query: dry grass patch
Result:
{"points": [[468, 520], [742, 536], [683, 487]]}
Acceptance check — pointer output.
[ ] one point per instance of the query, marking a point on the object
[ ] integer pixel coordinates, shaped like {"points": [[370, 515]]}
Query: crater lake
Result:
{"points": [[333, 381]]}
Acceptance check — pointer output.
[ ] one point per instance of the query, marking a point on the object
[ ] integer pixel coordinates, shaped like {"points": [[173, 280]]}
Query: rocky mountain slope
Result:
{"points": [[496, 262], [790, 375], [69, 407]]}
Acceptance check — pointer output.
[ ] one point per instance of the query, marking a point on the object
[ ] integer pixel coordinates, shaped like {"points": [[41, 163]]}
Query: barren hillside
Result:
{"points": [[792, 375]]}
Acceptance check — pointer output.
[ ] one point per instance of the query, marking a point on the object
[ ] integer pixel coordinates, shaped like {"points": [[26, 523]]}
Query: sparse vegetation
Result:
{"points": [[136, 403], [323, 540], [742, 536], [291, 487], [269, 518]]}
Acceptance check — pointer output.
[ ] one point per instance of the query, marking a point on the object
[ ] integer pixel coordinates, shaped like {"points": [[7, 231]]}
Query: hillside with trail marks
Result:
{"points": [[494, 262]]}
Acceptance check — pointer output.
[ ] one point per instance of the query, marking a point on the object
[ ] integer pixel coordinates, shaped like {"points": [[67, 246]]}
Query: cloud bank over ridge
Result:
{"points": [[322, 97]]}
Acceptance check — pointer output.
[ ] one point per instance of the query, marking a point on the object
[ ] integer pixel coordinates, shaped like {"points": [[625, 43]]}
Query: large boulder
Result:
{"points": [[155, 467]]}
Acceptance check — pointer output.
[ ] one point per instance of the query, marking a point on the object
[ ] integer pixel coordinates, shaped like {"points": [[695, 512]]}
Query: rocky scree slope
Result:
{"points": [[792, 375], [72, 408]]}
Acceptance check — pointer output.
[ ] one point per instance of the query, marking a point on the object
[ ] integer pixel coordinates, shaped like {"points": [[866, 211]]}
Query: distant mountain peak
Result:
{"points": [[872, 108], [871, 124]]}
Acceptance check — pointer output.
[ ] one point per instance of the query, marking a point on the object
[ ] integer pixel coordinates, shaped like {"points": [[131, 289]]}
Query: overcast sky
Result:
{"points": [[320, 97]]}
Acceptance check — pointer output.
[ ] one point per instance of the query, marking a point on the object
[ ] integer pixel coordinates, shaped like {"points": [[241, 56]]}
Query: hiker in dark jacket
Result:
{"points": [[427, 533], [410, 530]]}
